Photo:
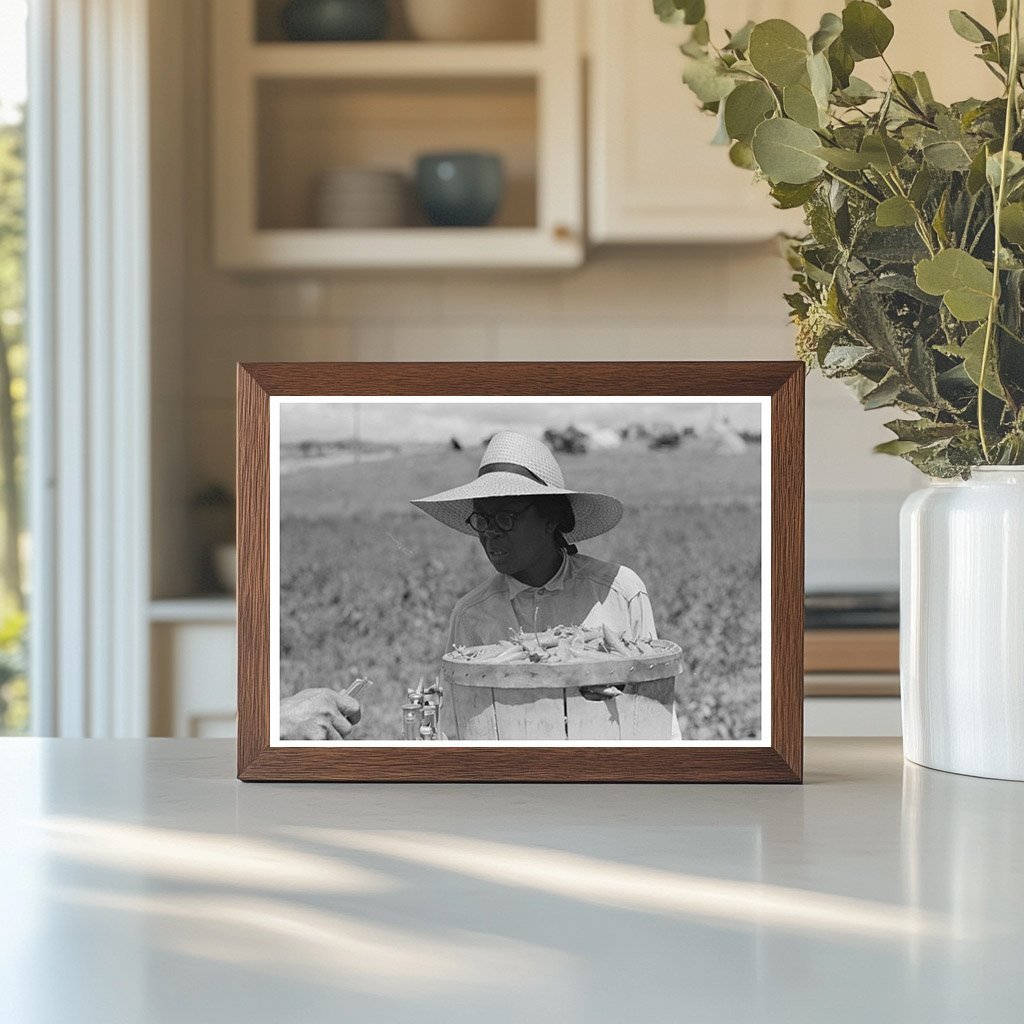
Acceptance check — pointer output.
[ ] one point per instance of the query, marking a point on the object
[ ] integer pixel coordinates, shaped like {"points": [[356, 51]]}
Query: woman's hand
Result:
{"points": [[318, 714]]}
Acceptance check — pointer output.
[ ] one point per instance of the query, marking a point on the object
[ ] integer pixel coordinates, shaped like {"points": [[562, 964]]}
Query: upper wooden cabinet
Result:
{"points": [[653, 174], [287, 114]]}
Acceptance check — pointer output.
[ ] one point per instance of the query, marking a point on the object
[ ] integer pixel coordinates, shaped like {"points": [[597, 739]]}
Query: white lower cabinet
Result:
{"points": [[852, 716], [193, 671]]}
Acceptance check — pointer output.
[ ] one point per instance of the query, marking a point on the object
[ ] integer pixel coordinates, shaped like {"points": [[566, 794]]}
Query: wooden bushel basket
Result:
{"points": [[538, 701]]}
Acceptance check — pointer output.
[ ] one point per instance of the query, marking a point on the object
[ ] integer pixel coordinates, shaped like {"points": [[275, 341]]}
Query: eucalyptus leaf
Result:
{"points": [[842, 61], [800, 105], [923, 431], [820, 75], [969, 28], [675, 12], [921, 185], [972, 352], [668, 11], [907, 88], [924, 88], [866, 29], [884, 395], [745, 108], [721, 136], [939, 220], [895, 447], [844, 159], [1012, 223], [744, 67], [779, 51], [895, 212], [946, 156], [785, 152], [999, 7], [994, 168], [701, 33], [883, 153], [962, 280], [707, 80], [788, 196], [858, 91], [739, 41], [694, 11], [976, 177], [741, 155], [829, 30]]}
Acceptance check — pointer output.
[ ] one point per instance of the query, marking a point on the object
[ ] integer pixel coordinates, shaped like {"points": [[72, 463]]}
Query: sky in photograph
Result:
{"points": [[12, 56], [402, 423]]}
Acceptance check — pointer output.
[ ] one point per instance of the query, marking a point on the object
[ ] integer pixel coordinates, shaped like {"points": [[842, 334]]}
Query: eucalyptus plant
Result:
{"points": [[910, 278]]}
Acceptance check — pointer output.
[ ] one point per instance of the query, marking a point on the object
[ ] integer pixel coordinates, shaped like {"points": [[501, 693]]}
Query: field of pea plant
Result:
{"points": [[367, 582]]}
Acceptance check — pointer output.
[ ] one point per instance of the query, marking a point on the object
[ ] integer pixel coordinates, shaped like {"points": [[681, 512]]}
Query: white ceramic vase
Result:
{"points": [[962, 624]]}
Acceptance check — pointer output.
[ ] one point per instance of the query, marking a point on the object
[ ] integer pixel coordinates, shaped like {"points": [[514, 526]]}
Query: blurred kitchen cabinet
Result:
{"points": [[852, 682], [192, 650], [653, 175], [286, 113]]}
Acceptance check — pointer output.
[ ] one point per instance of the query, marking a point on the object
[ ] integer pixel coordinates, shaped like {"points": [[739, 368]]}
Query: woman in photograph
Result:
{"points": [[528, 524]]}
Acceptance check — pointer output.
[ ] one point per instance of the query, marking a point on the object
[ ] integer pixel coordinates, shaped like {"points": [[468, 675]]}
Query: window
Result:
{"points": [[14, 550]]}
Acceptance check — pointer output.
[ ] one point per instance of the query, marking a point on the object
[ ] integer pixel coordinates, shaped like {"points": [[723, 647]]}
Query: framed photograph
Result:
{"points": [[519, 572]]}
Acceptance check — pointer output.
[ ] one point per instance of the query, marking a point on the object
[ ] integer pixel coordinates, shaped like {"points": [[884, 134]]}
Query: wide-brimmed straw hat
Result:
{"points": [[515, 466]]}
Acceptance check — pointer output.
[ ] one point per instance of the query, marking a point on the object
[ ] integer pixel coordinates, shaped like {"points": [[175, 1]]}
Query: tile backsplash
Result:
{"points": [[715, 302]]}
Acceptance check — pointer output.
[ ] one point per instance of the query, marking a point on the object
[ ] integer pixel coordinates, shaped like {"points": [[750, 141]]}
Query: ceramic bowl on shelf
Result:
{"points": [[471, 20], [361, 198], [334, 20], [460, 189]]}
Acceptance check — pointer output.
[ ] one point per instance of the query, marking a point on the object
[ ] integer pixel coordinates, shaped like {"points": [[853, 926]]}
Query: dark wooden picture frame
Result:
{"points": [[780, 760]]}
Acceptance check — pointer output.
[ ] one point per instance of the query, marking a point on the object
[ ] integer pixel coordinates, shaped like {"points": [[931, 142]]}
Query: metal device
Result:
{"points": [[421, 714]]}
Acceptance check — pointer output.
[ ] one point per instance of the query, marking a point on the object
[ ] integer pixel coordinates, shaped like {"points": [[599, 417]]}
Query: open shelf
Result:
{"points": [[308, 127], [288, 113], [520, 17], [393, 60]]}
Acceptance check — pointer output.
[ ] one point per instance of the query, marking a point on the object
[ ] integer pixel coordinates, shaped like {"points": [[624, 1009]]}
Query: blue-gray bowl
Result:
{"points": [[461, 190], [331, 21]]}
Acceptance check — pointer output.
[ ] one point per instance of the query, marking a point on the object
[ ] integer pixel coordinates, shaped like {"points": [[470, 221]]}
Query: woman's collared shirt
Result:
{"points": [[584, 592]]}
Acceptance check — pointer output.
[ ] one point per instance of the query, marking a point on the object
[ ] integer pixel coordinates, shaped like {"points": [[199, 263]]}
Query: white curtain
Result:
{"points": [[88, 320]]}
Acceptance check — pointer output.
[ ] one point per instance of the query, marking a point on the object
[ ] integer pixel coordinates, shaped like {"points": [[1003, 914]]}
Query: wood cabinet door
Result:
{"points": [[654, 175]]}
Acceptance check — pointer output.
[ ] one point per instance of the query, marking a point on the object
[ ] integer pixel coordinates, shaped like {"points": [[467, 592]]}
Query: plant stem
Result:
{"points": [[993, 309], [850, 184], [922, 225], [1012, 334], [768, 86], [970, 215], [977, 238]]}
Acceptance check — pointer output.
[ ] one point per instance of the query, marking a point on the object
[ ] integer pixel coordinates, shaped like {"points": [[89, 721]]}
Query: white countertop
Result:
{"points": [[143, 884]]}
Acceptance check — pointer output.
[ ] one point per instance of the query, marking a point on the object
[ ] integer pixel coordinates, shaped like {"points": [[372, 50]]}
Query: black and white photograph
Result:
{"points": [[519, 570]]}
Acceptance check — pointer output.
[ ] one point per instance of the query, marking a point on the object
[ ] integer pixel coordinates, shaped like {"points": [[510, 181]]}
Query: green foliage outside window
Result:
{"points": [[13, 414]]}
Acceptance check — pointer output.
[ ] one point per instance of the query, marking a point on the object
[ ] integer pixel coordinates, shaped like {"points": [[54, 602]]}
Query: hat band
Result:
{"points": [[511, 467]]}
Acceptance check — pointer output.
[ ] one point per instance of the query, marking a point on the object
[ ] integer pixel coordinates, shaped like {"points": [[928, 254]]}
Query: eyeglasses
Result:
{"points": [[503, 521]]}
